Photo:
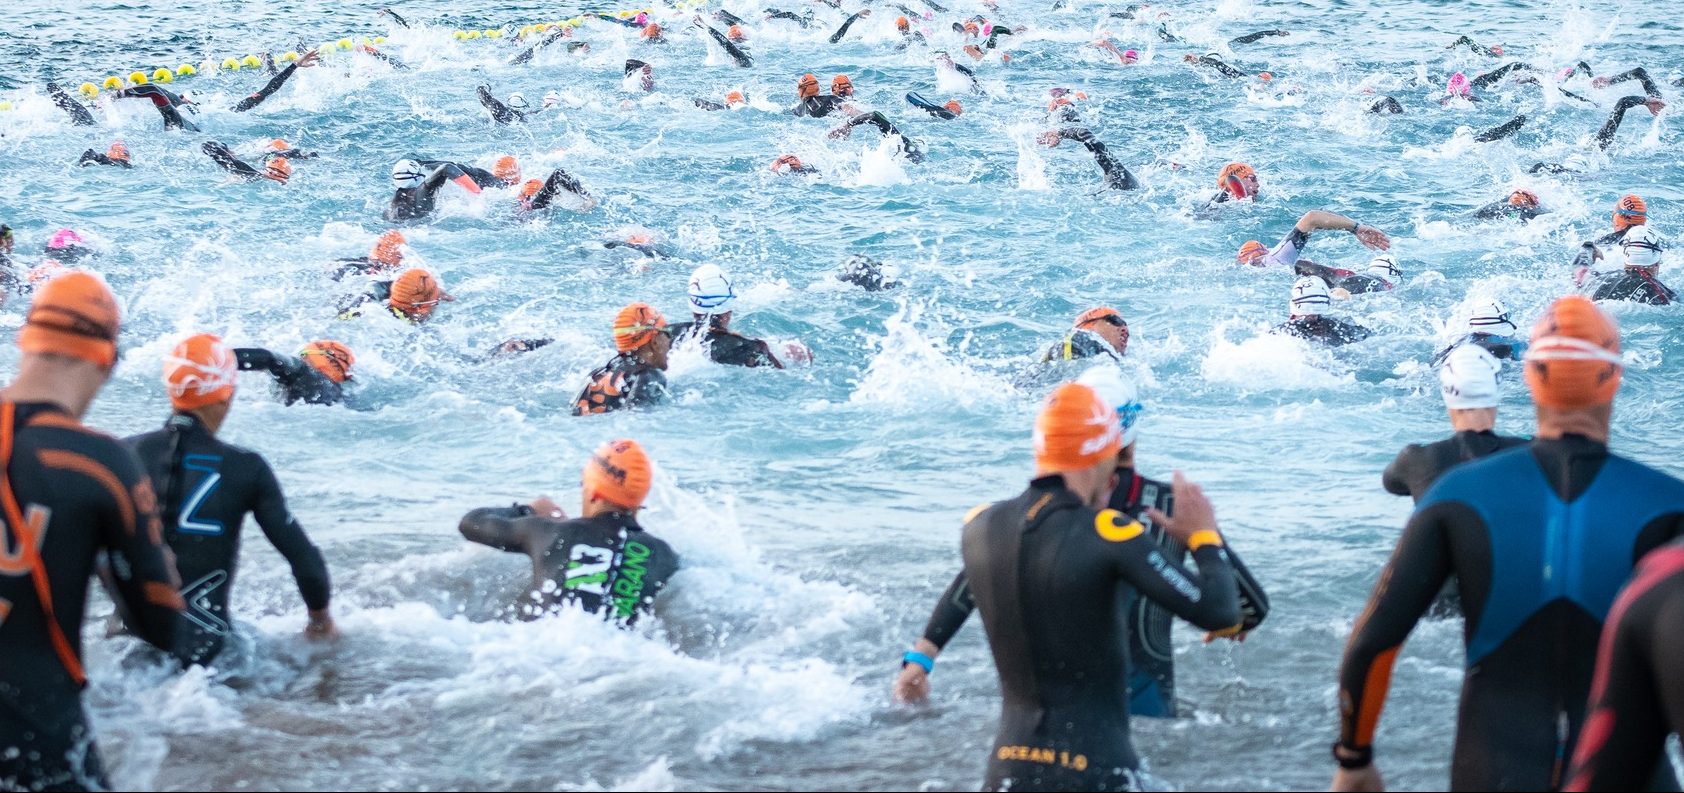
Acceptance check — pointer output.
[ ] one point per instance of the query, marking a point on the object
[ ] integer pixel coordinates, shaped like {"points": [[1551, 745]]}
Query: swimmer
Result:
{"points": [[836, 37], [513, 347], [1638, 73], [79, 115], [947, 111], [1638, 282], [417, 183], [1096, 333], [652, 34], [1464, 41], [1520, 205], [512, 111], [908, 36], [868, 273], [945, 61], [1502, 528], [318, 376], [1382, 275], [603, 561], [1490, 329], [1468, 381], [168, 103], [711, 296], [1611, 127], [67, 247], [1215, 63], [276, 169], [1117, 176], [634, 377], [117, 154], [813, 105], [1286, 253], [525, 56], [384, 257], [280, 148], [536, 195], [1057, 553], [1125, 57], [734, 100], [1236, 182], [1311, 298], [307, 60], [805, 20], [792, 164], [206, 488], [908, 146], [1629, 212], [645, 75], [370, 51], [1253, 38], [644, 243], [1385, 106], [387, 12], [729, 43], [86, 499], [1061, 105]]}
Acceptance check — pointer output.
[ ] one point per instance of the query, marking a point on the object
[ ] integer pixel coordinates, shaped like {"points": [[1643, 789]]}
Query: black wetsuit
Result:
{"points": [[91, 157], [1418, 466], [724, 346], [932, 108], [1492, 77], [1252, 38], [843, 31], [1117, 177], [1637, 697], [884, 125], [558, 181], [410, 203], [229, 162], [267, 90], [1469, 43], [803, 21], [395, 18], [79, 115], [205, 489], [526, 55], [500, 113], [737, 54], [1611, 127], [1634, 285], [1501, 347], [1323, 329], [818, 106], [169, 105], [623, 383], [1385, 106], [1218, 65], [82, 495], [1355, 283], [1639, 74], [298, 381], [1502, 130], [1053, 579], [1080, 344], [513, 347], [1504, 209], [1539, 540], [605, 565], [866, 273]]}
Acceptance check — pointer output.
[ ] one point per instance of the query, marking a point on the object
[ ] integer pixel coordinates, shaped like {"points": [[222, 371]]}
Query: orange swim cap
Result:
{"points": [[735, 33], [808, 86], [1058, 102], [636, 325], [840, 85], [1075, 430], [954, 107], [530, 189], [902, 24], [639, 239], [1251, 252], [1102, 314], [618, 473], [1630, 211], [388, 249], [974, 51], [971, 29], [506, 169], [118, 152], [200, 371], [74, 315], [278, 145], [1236, 178], [330, 358], [1523, 198], [278, 169], [1265, 76], [1573, 360], [652, 31], [735, 98], [416, 293]]}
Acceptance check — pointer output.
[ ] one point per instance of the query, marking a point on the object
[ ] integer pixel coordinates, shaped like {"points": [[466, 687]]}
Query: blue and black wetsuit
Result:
{"points": [[1635, 285], [206, 488], [1539, 540]]}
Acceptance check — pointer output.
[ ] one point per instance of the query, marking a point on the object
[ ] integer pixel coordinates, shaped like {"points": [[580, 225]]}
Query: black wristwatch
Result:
{"points": [[1355, 227], [1353, 759]]}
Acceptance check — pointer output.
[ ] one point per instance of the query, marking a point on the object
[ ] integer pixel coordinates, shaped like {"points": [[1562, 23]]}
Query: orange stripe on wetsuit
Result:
{"points": [[1362, 716], [26, 540]]}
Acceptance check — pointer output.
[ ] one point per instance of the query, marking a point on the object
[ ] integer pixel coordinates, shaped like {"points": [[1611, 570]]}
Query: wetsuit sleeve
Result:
{"points": [[1286, 252], [1225, 69], [503, 528], [1408, 585], [951, 612], [526, 55], [268, 89], [225, 158], [500, 112], [395, 18], [843, 31], [1504, 130], [707, 104], [289, 538], [1490, 78], [994, 36], [164, 101], [1386, 106], [1117, 177], [1209, 600], [1611, 127], [1252, 38], [255, 359], [1493, 210], [142, 568], [645, 387], [1639, 74], [395, 63], [559, 180], [735, 51], [79, 115], [1396, 477]]}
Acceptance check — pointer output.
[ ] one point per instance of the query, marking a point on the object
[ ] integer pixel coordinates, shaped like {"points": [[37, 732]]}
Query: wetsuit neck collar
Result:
{"points": [[183, 422]]}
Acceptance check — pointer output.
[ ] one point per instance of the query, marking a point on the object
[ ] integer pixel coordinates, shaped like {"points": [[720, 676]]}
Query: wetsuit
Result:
{"points": [[817, 106], [395, 18], [930, 107], [91, 157], [1418, 466], [230, 163], [866, 273], [1502, 130], [1117, 177], [605, 564], [1214, 63], [500, 113], [1165, 35], [724, 346], [1539, 540], [393, 62], [1501, 347], [298, 381], [1495, 75], [803, 21], [526, 55], [737, 54], [1385, 106], [1354, 283], [1611, 127], [169, 105], [1252, 38], [1469, 43], [1080, 344], [623, 383], [1053, 579], [881, 122], [655, 251], [409, 203], [79, 115], [558, 181], [513, 347], [267, 90], [843, 31], [1635, 285], [206, 488], [994, 36], [1503, 209], [1637, 698], [1323, 329], [1639, 74], [70, 494]]}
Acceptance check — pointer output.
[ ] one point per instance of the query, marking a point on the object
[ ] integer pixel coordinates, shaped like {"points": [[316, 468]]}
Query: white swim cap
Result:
{"points": [[517, 100], [1310, 296], [1468, 379], [1642, 246], [552, 98], [1118, 392], [1385, 268], [711, 291], [406, 174], [1491, 316]]}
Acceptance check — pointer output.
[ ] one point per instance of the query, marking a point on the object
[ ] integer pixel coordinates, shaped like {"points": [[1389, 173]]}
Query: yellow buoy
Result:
{"points": [[89, 90], [461, 35], [344, 44], [327, 48], [493, 34], [231, 64], [379, 39], [162, 75], [251, 62], [137, 78], [113, 83], [186, 70], [473, 34], [289, 56], [5, 106]]}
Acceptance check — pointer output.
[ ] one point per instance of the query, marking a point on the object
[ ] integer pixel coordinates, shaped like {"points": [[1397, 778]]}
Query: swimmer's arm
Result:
{"points": [[394, 15], [500, 112], [843, 31], [1251, 38], [1407, 587], [1254, 602], [994, 36], [1493, 210], [79, 115], [950, 614], [1209, 599], [1490, 78], [225, 158], [275, 83], [1611, 127], [1394, 478], [283, 531], [1223, 68], [514, 529], [257, 359], [1503, 130], [141, 567], [1637, 73], [1632, 695]]}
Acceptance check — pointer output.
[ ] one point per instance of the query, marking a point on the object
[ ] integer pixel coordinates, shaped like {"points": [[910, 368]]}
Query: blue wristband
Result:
{"points": [[915, 657]]}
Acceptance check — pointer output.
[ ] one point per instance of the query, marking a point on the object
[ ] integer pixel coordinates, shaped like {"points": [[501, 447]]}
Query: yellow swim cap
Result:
{"points": [[138, 78], [251, 61], [344, 44], [89, 90], [289, 56], [231, 64], [186, 70]]}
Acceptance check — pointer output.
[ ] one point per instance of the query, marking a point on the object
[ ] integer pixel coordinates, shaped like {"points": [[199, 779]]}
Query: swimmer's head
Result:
{"points": [[1642, 248], [641, 329], [1458, 86], [73, 315], [415, 294], [790, 161], [971, 29], [651, 31], [530, 189], [1131, 56], [1491, 316], [1468, 379], [808, 86], [711, 291], [278, 170], [1238, 180], [407, 174], [1310, 297], [1523, 198], [954, 107], [1265, 77], [902, 24], [1108, 324], [1252, 252], [331, 358], [552, 98], [199, 372], [1120, 393], [1076, 431], [840, 85], [277, 145], [67, 246], [507, 169], [618, 475], [388, 250], [1384, 267], [735, 33], [1630, 211], [517, 101], [735, 98], [118, 152], [1573, 361]]}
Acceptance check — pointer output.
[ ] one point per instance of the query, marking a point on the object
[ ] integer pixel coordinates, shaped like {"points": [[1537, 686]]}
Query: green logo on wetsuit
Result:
{"points": [[628, 585]]}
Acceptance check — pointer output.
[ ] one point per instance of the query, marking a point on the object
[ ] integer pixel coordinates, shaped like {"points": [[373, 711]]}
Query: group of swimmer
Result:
{"points": [[1077, 579]]}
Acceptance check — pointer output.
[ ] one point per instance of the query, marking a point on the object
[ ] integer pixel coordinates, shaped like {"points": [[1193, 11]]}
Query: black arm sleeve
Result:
{"points": [[1209, 600], [951, 612], [395, 18], [1508, 128], [1251, 38], [735, 51], [164, 101], [1639, 74], [267, 90], [994, 36], [1492, 211], [145, 585], [225, 158], [526, 55], [1611, 127], [502, 528], [727, 17], [289, 538], [559, 180], [79, 115], [1386, 106], [257, 359], [500, 112], [1117, 177], [1395, 478], [1490, 78], [1223, 68]]}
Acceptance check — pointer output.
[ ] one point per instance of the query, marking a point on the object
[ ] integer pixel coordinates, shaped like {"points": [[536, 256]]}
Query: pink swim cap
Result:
{"points": [[1566, 72], [1459, 85], [1130, 54], [63, 238], [642, 18]]}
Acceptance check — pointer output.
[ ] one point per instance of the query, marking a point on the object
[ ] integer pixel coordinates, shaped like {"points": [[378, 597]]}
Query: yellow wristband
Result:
{"points": [[1202, 538]]}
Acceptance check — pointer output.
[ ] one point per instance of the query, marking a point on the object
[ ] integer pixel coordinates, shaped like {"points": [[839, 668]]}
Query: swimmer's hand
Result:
{"points": [[1340, 293], [1358, 780], [321, 627], [1193, 512], [1233, 634], [309, 59], [1655, 105], [544, 507], [1600, 82], [1373, 238], [1049, 139], [912, 685]]}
